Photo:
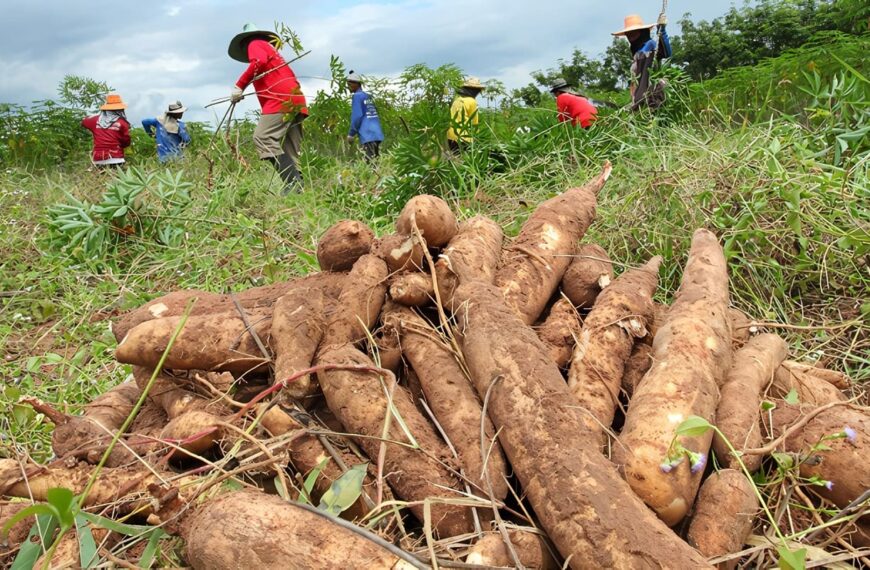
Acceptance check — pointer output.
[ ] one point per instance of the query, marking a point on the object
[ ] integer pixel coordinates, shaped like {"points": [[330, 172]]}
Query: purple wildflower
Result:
{"points": [[699, 461], [829, 485], [851, 434], [666, 467], [670, 463]]}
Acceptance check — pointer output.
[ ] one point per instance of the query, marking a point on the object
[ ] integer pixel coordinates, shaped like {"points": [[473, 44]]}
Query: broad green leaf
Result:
{"points": [[147, 558], [40, 509], [32, 548], [694, 426], [87, 546], [792, 397], [115, 526], [344, 491], [64, 501], [305, 495], [792, 559], [784, 460]]}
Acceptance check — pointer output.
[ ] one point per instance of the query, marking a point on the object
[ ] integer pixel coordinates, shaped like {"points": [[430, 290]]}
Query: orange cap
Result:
{"points": [[631, 23], [113, 103]]}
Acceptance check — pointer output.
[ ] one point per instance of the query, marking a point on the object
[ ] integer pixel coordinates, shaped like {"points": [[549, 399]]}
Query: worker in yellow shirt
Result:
{"points": [[463, 114]]}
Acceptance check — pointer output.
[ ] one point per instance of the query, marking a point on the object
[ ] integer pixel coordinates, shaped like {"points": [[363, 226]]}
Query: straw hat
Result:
{"points": [[113, 103], [238, 51], [176, 107], [354, 77], [632, 22], [473, 83]]}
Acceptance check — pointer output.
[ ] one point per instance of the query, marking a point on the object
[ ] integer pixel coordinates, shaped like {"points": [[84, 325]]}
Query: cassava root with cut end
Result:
{"points": [[530, 547], [297, 327], [835, 378], [589, 272], [342, 244], [724, 513], [359, 400], [265, 531], [400, 252], [691, 356], [473, 254], [534, 264], [808, 386], [587, 510], [559, 331], [432, 216], [453, 401], [359, 304], [737, 414], [412, 289], [621, 314]]}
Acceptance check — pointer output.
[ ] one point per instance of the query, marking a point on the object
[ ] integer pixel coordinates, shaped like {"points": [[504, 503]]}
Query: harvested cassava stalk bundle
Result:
{"points": [[534, 264], [433, 218], [400, 252], [530, 547], [739, 407], [297, 327], [844, 429], [412, 289], [342, 244], [621, 314], [724, 513], [86, 436], [174, 304], [691, 355], [473, 254], [637, 365], [247, 529], [809, 387], [587, 510], [358, 398], [452, 400], [590, 271], [219, 342], [559, 331], [359, 304]]}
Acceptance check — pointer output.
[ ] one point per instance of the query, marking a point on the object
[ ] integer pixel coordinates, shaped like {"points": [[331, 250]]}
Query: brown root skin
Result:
{"points": [[171, 397], [196, 432], [590, 271], [724, 513], [257, 298], [587, 510], [472, 255], [531, 549], [740, 332], [660, 312], [622, 314], [264, 531], [453, 401], [297, 327], [534, 264], [87, 435], [342, 244], [359, 401], [810, 389], [637, 365], [412, 289], [219, 342], [17, 534], [400, 252], [359, 304], [835, 378], [559, 331], [433, 218], [737, 415], [691, 356], [846, 464]]}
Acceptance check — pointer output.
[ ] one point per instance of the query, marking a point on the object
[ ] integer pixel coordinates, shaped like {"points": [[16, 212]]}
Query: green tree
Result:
{"points": [[82, 92]]}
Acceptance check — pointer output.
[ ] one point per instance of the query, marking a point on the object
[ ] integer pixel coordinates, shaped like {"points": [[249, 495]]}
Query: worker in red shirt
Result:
{"points": [[278, 136], [111, 132], [571, 106]]}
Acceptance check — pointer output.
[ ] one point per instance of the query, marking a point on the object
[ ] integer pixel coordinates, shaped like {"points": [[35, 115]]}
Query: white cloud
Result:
{"points": [[173, 11]]}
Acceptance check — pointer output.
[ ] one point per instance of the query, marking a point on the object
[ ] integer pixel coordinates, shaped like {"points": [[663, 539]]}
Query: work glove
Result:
{"points": [[663, 20], [350, 139], [236, 94]]}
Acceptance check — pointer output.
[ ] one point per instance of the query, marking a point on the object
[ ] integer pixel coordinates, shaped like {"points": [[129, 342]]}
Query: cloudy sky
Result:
{"points": [[156, 52]]}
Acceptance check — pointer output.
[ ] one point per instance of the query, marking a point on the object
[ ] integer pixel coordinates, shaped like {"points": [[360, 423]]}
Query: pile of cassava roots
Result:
{"points": [[442, 396]]}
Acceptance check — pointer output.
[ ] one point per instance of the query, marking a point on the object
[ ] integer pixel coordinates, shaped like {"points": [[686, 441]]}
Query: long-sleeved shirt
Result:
{"points": [[463, 114], [278, 90], [110, 142], [364, 120], [169, 145], [576, 109], [664, 45]]}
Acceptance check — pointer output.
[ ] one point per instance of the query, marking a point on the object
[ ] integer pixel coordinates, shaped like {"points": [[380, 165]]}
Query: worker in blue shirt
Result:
{"points": [[169, 131], [644, 51], [364, 120]]}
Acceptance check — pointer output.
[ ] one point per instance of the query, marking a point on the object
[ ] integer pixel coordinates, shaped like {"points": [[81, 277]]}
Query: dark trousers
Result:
{"points": [[371, 150]]}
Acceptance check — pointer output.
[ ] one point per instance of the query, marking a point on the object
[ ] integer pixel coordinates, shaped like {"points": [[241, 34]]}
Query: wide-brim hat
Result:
{"points": [[237, 49], [354, 77], [176, 107], [631, 23], [559, 83], [113, 103], [473, 83]]}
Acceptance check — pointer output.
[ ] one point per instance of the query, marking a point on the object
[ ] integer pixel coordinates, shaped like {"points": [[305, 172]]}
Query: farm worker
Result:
{"points": [[111, 132], [644, 50], [169, 131], [278, 135], [364, 120], [571, 106], [463, 114]]}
